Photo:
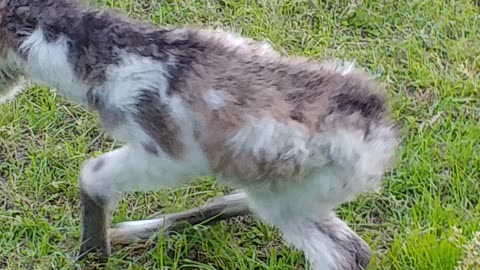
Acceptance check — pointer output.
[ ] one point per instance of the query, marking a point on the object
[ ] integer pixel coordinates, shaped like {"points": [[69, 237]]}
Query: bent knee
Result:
{"points": [[94, 177]]}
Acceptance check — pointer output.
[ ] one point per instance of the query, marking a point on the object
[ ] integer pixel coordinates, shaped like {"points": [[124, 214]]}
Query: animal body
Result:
{"points": [[299, 137]]}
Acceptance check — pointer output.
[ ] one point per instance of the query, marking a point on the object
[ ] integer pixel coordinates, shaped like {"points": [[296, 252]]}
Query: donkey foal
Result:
{"points": [[299, 137]]}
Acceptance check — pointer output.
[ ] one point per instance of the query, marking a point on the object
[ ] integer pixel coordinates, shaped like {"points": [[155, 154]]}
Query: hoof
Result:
{"points": [[98, 251]]}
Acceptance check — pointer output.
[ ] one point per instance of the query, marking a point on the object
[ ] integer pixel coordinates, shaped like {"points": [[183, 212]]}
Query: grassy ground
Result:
{"points": [[428, 54]]}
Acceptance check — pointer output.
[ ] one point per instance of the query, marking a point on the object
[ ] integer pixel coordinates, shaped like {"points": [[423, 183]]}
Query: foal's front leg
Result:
{"points": [[94, 225], [102, 180], [127, 169]]}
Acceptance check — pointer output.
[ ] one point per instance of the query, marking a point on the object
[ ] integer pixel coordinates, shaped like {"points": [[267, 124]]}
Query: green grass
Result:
{"points": [[426, 52]]}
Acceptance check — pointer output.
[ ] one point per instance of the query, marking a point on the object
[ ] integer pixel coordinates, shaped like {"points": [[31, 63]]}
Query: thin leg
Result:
{"points": [[219, 209], [94, 226]]}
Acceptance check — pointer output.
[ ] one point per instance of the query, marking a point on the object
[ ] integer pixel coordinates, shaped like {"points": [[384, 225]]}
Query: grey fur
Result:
{"points": [[151, 148], [95, 36], [111, 117], [98, 164]]}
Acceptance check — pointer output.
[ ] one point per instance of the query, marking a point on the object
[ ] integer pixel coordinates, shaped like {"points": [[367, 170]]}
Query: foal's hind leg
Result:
{"points": [[310, 225]]}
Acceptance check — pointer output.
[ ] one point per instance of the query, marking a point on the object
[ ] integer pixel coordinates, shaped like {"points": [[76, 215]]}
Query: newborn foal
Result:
{"points": [[299, 137]]}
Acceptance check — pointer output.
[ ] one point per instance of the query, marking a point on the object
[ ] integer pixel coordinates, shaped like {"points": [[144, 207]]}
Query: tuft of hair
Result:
{"points": [[12, 81], [10, 92]]}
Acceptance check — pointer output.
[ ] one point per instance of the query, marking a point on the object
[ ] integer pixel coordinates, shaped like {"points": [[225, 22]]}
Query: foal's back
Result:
{"points": [[263, 116]]}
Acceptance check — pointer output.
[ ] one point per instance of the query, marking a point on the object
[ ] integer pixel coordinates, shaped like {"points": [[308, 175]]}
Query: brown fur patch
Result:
{"points": [[156, 120], [313, 98]]}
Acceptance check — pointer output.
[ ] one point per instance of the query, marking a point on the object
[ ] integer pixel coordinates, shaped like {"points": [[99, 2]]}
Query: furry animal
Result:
{"points": [[299, 137]]}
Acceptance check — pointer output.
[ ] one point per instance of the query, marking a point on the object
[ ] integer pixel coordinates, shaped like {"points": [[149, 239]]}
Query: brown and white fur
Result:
{"points": [[299, 137]]}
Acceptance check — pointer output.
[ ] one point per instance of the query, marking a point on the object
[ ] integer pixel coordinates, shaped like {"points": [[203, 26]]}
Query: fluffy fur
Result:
{"points": [[300, 137]]}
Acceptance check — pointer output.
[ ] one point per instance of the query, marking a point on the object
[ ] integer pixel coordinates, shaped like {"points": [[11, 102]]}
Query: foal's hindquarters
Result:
{"points": [[335, 168]]}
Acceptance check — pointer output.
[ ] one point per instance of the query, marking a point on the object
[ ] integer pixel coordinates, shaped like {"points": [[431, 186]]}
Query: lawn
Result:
{"points": [[425, 217]]}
